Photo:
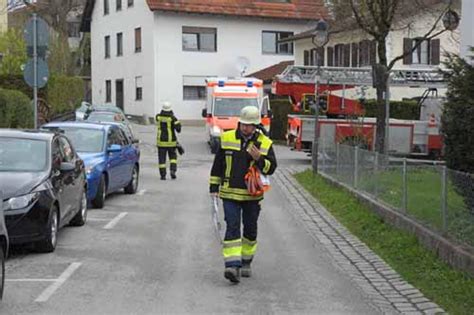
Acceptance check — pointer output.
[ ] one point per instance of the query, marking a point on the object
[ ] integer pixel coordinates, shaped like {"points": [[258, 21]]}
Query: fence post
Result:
{"points": [[405, 187], [444, 197], [356, 166], [376, 174], [337, 159]]}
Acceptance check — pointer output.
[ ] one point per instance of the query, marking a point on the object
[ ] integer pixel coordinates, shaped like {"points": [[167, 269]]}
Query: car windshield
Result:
{"points": [[23, 155], [105, 117], [85, 140], [232, 106]]}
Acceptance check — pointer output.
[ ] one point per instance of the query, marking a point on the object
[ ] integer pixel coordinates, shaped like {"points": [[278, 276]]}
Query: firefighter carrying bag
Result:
{"points": [[257, 184]]}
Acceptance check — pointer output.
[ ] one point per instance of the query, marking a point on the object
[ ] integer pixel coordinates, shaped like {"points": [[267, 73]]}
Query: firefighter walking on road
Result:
{"points": [[243, 153], [166, 141]]}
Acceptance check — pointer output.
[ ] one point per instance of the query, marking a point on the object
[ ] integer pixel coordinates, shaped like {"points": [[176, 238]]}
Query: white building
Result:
{"points": [[467, 27], [146, 52], [355, 48]]}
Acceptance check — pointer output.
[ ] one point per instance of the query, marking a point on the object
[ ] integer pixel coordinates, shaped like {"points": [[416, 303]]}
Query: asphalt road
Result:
{"points": [[156, 253]]}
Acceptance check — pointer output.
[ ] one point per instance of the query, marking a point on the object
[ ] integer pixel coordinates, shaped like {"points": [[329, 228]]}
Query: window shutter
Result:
{"points": [[355, 55], [330, 57], [312, 57], [373, 52], [337, 52], [320, 56], [407, 49], [306, 58], [347, 55], [435, 52]]}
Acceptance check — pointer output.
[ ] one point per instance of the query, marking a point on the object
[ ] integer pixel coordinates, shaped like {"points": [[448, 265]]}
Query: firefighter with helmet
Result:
{"points": [[166, 140], [241, 150]]}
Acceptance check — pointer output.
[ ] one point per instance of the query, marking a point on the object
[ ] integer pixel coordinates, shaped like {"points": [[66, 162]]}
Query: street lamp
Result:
{"points": [[320, 38]]}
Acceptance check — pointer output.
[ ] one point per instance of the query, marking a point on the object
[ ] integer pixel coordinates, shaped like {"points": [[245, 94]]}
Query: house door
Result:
{"points": [[119, 94]]}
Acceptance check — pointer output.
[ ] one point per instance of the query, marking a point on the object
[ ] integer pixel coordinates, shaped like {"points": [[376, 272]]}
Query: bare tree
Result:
{"points": [[378, 18]]}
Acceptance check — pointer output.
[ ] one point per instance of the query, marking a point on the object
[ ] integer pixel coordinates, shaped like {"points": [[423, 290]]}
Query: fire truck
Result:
{"points": [[342, 119], [225, 99]]}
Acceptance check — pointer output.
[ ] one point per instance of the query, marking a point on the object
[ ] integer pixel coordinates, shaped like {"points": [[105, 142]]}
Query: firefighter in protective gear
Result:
{"points": [[166, 141], [240, 150]]}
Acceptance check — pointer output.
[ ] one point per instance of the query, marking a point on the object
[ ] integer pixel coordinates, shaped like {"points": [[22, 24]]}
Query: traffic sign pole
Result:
{"points": [[35, 70]]}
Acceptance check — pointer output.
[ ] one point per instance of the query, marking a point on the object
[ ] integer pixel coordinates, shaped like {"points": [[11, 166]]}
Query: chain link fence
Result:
{"points": [[437, 197]]}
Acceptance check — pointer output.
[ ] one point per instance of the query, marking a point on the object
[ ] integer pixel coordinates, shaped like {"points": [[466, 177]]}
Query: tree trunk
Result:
{"points": [[381, 74]]}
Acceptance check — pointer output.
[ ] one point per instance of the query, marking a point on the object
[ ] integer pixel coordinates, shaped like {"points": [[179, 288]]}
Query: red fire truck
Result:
{"points": [[343, 120]]}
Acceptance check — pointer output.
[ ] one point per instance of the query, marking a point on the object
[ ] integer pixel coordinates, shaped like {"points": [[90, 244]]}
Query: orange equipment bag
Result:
{"points": [[253, 180]]}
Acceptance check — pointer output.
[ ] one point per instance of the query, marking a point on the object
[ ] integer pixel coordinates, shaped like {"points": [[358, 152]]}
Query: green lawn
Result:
{"points": [[423, 199], [452, 290]]}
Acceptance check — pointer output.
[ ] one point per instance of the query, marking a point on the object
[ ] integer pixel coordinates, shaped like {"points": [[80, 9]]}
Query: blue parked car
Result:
{"points": [[112, 161]]}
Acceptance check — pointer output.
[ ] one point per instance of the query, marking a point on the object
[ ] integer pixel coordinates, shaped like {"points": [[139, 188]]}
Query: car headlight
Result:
{"points": [[21, 202], [90, 168], [216, 131]]}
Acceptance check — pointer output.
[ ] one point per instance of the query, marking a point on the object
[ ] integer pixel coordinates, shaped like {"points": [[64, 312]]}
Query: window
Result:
{"points": [[130, 3], [119, 44], [138, 89], [270, 44], [106, 7], [426, 52], [191, 92], [108, 91], [138, 39], [314, 57], [118, 5], [107, 46], [342, 57], [199, 39], [367, 53], [66, 150], [74, 29]]}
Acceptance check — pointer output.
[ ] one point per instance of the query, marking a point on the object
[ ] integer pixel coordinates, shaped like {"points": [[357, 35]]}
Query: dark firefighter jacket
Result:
{"points": [[232, 162], [167, 126]]}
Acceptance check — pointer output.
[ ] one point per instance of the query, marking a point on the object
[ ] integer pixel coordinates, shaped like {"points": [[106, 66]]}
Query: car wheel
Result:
{"points": [[98, 201], [48, 245], [132, 187], [2, 272], [81, 216]]}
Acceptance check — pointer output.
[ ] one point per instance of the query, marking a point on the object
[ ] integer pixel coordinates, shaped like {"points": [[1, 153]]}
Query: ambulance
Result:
{"points": [[225, 99]]}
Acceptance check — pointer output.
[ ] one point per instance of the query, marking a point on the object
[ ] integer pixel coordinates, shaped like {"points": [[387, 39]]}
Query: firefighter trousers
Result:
{"points": [[238, 248], [171, 152]]}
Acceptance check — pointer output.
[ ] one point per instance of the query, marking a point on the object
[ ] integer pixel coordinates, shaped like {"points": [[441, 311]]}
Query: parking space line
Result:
{"points": [[115, 220], [141, 192], [97, 219], [49, 291]]}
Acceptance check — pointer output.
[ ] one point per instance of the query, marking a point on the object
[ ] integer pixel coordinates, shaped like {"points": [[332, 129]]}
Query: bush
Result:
{"points": [[406, 109], [16, 110], [64, 94], [280, 108]]}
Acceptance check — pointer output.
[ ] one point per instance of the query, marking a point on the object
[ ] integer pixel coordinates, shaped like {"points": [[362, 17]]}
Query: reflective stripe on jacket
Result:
{"points": [[167, 126]]}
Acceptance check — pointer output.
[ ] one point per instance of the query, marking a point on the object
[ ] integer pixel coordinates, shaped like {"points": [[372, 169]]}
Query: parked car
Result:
{"points": [[83, 110], [3, 246], [44, 186], [112, 161]]}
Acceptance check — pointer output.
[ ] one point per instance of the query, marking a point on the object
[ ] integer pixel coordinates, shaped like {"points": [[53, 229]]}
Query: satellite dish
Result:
{"points": [[242, 65]]}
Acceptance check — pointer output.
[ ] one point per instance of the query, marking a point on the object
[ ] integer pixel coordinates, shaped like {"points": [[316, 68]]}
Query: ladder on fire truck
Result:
{"points": [[416, 78]]}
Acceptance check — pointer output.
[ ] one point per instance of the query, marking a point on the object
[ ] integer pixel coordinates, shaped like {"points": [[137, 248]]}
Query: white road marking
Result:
{"points": [[115, 220], [97, 219], [141, 192], [49, 291], [31, 280]]}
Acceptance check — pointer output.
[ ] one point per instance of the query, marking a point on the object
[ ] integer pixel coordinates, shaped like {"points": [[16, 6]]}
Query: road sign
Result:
{"points": [[42, 73], [42, 30]]}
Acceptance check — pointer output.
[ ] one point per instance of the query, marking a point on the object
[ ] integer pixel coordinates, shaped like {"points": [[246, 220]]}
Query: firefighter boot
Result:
{"points": [[232, 274], [245, 271], [162, 174], [173, 174]]}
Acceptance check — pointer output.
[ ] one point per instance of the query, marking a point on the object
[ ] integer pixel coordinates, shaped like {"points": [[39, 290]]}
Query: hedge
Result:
{"points": [[64, 94], [16, 110], [406, 109]]}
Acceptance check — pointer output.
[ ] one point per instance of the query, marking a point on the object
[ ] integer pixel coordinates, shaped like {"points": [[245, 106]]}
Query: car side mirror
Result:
{"points": [[67, 167], [204, 113], [114, 148]]}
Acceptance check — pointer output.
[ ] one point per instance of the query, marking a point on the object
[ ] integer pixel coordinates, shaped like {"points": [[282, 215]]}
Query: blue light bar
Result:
{"points": [[221, 83], [249, 84]]}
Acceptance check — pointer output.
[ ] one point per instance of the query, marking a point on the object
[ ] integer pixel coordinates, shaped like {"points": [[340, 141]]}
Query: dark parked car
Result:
{"points": [[44, 186], [112, 160], [3, 246]]}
